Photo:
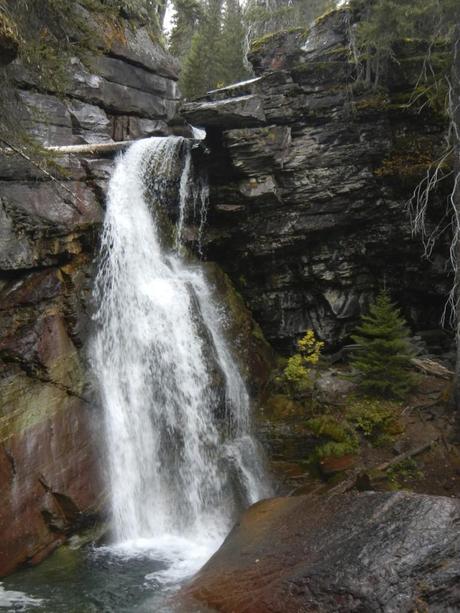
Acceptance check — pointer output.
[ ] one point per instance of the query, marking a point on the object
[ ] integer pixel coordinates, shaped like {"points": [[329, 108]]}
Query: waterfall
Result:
{"points": [[180, 454]]}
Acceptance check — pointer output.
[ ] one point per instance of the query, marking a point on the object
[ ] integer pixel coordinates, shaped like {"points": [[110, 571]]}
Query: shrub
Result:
{"points": [[375, 420], [298, 369], [383, 351], [338, 438]]}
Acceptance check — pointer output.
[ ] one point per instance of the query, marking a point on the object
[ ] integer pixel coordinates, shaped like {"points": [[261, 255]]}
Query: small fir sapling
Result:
{"points": [[382, 357]]}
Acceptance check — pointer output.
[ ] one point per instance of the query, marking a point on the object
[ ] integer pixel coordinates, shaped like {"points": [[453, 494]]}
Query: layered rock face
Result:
{"points": [[310, 176], [389, 552], [50, 424]]}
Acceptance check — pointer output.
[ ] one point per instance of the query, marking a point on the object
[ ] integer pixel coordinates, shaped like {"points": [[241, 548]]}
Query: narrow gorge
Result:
{"points": [[188, 284]]}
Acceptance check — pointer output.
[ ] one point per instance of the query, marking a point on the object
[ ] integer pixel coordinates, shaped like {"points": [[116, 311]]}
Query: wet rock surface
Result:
{"points": [[50, 423], [309, 208], [389, 552]]}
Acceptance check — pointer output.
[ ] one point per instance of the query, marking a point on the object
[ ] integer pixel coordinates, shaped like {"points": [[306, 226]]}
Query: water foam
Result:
{"points": [[181, 456]]}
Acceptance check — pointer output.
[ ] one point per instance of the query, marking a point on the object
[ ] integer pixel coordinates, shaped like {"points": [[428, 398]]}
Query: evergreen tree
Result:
{"points": [[201, 69], [383, 23], [232, 45], [194, 79], [383, 353], [186, 21]]}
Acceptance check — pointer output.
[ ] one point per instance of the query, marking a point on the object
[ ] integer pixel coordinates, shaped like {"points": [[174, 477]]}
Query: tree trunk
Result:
{"points": [[92, 148], [456, 202]]}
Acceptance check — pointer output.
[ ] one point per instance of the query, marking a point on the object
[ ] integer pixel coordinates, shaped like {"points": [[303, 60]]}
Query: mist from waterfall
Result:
{"points": [[181, 457]]}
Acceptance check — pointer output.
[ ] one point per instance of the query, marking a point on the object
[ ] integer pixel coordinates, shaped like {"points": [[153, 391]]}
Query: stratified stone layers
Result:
{"points": [[51, 443], [310, 179]]}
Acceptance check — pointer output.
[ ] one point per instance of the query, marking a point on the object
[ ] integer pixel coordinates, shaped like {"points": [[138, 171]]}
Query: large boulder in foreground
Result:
{"points": [[368, 552]]}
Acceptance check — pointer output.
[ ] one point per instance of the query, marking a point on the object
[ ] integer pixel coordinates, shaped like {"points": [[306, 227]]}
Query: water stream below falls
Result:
{"points": [[181, 460]]}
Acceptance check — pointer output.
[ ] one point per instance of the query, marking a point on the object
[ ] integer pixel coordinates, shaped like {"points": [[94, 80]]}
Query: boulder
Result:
{"points": [[375, 551]]}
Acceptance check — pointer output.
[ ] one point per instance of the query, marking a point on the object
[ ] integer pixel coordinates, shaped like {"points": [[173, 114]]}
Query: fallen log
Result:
{"points": [[47, 174], [76, 149], [430, 367], [92, 148], [404, 456], [360, 479]]}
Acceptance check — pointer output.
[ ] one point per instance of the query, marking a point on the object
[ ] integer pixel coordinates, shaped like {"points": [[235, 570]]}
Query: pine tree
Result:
{"points": [[232, 45], [194, 79], [186, 21], [383, 23], [201, 70], [383, 353]]}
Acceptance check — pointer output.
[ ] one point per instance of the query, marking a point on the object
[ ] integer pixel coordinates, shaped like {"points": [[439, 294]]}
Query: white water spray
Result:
{"points": [[177, 411]]}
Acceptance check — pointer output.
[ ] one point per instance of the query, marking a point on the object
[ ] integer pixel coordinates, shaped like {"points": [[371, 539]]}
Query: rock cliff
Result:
{"points": [[389, 552], [50, 446], [310, 175]]}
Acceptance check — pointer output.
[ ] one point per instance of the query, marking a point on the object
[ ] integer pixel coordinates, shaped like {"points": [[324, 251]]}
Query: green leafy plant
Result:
{"points": [[298, 371], [382, 357], [376, 420], [337, 438]]}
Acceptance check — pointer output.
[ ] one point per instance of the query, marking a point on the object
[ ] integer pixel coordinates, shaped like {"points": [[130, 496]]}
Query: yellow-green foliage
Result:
{"points": [[310, 348], [296, 372], [338, 438], [375, 420], [339, 435], [8, 29], [298, 369]]}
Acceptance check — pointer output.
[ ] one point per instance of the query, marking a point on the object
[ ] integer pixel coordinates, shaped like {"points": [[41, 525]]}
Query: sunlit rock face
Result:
{"points": [[308, 206], [50, 424]]}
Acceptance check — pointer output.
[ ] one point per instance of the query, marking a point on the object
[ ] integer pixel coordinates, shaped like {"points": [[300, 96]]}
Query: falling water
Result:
{"points": [[181, 458]]}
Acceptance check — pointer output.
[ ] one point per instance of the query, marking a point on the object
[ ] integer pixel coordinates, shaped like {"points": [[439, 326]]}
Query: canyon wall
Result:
{"points": [[50, 425], [309, 180], [311, 172]]}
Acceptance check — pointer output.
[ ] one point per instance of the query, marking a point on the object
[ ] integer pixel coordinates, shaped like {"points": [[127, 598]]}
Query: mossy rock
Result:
{"points": [[336, 438], [274, 39], [410, 158], [331, 71], [281, 407], [255, 356]]}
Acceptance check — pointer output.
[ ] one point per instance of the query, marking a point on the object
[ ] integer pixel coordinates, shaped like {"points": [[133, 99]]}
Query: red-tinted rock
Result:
{"points": [[50, 478], [332, 464], [389, 552]]}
